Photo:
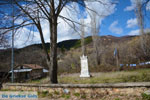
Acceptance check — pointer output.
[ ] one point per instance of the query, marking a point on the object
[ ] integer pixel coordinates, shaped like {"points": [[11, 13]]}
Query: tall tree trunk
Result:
{"points": [[82, 35], [117, 60], [83, 45], [96, 49], [53, 50], [95, 37], [97, 56], [140, 19]]}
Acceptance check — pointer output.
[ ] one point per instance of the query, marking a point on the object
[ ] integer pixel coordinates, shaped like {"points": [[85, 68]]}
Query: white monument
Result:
{"points": [[84, 67]]}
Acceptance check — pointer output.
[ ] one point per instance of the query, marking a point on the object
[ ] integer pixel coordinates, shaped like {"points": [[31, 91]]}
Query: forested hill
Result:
{"points": [[33, 54], [75, 43], [67, 44]]}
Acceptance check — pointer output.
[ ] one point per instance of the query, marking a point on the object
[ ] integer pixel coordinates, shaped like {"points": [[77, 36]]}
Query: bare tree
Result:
{"points": [[3, 41], [139, 11], [95, 29], [49, 10], [82, 35], [34, 12], [140, 17]]}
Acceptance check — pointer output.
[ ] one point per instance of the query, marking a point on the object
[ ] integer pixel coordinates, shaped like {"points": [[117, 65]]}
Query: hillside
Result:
{"points": [[67, 44], [64, 44], [75, 43], [34, 54]]}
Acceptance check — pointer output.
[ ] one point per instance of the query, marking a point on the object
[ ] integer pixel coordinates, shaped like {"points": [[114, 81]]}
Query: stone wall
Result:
{"points": [[91, 90]]}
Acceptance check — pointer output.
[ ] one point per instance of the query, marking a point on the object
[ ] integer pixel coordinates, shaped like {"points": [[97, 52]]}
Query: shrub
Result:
{"points": [[145, 96]]}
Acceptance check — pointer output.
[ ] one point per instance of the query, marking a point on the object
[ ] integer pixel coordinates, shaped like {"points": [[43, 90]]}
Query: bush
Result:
{"points": [[145, 96]]}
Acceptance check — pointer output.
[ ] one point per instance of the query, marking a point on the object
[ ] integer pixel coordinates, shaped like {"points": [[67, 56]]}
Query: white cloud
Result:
{"points": [[18, 21], [148, 6], [133, 5], [65, 32], [147, 30], [24, 37], [137, 31], [129, 8], [134, 32], [115, 29], [105, 8], [132, 22]]}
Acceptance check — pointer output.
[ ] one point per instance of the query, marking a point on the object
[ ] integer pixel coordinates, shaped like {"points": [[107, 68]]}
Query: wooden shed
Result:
{"points": [[27, 72]]}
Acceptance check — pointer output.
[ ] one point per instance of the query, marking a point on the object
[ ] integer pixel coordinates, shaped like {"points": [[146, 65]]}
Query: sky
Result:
{"points": [[123, 21], [119, 20]]}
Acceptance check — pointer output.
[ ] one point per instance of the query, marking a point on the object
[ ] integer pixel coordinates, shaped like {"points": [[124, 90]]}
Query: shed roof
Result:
{"points": [[21, 70], [32, 66]]}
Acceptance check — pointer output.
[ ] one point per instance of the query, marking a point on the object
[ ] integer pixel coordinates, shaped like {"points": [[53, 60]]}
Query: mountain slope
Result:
{"points": [[34, 53]]}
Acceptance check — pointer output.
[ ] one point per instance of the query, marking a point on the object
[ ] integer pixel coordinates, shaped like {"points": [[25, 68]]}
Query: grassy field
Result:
{"points": [[140, 75]]}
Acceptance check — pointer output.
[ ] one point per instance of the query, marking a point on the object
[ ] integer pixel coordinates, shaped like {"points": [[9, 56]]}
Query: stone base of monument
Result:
{"points": [[84, 67], [85, 75]]}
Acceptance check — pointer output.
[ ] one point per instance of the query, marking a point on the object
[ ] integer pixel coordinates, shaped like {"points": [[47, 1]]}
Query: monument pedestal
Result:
{"points": [[84, 67]]}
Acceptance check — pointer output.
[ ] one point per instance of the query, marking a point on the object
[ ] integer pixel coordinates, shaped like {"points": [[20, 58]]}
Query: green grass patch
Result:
{"points": [[77, 94], [145, 96], [83, 96], [56, 92], [9, 90], [39, 81], [66, 96], [141, 75], [117, 99], [44, 94]]}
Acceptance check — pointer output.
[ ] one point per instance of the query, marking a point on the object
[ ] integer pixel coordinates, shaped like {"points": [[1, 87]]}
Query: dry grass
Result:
{"points": [[108, 77], [142, 75]]}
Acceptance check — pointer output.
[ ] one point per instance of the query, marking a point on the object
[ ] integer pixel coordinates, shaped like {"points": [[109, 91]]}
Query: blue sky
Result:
{"points": [[120, 21], [121, 17]]}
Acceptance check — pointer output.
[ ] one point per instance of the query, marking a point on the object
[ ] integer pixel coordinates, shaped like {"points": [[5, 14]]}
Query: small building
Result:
{"points": [[26, 72]]}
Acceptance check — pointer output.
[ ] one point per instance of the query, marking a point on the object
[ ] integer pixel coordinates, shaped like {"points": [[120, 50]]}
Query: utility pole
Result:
{"points": [[12, 51]]}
